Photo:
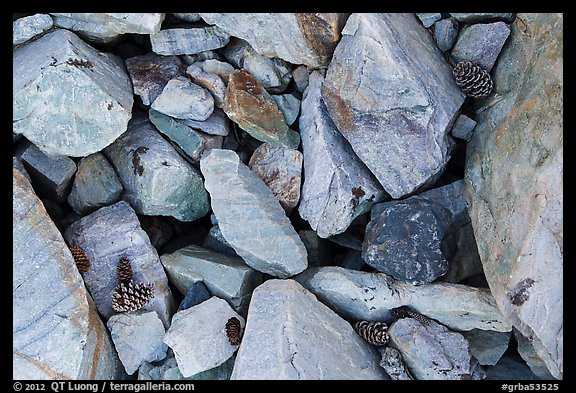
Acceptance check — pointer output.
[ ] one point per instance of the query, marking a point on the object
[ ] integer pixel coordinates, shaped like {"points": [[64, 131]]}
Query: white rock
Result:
{"points": [[183, 99], [28, 27]]}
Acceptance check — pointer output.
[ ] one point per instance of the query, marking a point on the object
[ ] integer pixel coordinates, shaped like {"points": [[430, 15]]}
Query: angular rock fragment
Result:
{"points": [[188, 17], [137, 338], [215, 241], [475, 17], [51, 307], [253, 109], [28, 27], [17, 164], [300, 75], [319, 252], [481, 43], [212, 83], [487, 346], [370, 296], [510, 368], [463, 127], [303, 38], [445, 34], [273, 74], [107, 235], [227, 277], [183, 99], [526, 351], [68, 98], [195, 295], [289, 105], [216, 124], [217, 67], [285, 323], [281, 170], [393, 364], [240, 200], [428, 18], [156, 179], [96, 184], [198, 336], [393, 97], [188, 41]]}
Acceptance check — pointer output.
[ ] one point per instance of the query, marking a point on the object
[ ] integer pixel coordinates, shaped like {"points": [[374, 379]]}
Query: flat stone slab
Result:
{"points": [[188, 41]]}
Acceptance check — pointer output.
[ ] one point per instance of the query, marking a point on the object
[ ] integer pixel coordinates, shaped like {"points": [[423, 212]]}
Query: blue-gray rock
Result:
{"points": [[481, 43], [156, 179], [526, 351], [17, 164], [215, 241], [168, 371], [303, 38], [56, 331], [137, 338], [198, 336], [96, 184], [318, 249], [361, 295], [510, 368], [300, 75], [188, 41], [289, 105], [69, 98], [103, 28], [337, 186], [217, 67], [393, 364], [393, 97], [460, 250], [514, 184], [150, 73], [272, 73], [217, 124], [281, 170], [213, 83], [487, 346], [111, 233], [463, 127], [431, 351], [28, 27], [183, 99], [188, 17], [291, 335], [234, 51], [428, 18], [227, 277], [240, 200], [445, 33], [196, 295], [353, 260], [52, 174], [475, 17]]}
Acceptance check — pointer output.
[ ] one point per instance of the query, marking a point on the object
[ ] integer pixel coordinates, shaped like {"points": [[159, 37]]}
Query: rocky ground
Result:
{"points": [[229, 196]]}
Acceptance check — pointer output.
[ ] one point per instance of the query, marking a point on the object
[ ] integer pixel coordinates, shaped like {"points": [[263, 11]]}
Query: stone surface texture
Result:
{"points": [[481, 43], [183, 99], [487, 346], [188, 41], [28, 27]]}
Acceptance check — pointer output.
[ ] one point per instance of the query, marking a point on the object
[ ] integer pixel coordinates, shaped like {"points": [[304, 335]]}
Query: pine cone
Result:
{"points": [[234, 331], [131, 297], [81, 259], [472, 79], [124, 270], [376, 333], [407, 312]]}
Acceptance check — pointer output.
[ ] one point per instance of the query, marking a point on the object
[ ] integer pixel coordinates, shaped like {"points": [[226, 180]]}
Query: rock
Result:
{"points": [[272, 73], [56, 332], [289, 105], [281, 170], [215, 241], [510, 368], [300, 76], [428, 18], [463, 127], [198, 336], [353, 260], [168, 371], [17, 164], [103, 28], [150, 73], [514, 184], [193, 143], [360, 295], [107, 235], [157, 181], [212, 83], [96, 184], [445, 34], [216, 124], [526, 351], [475, 17], [284, 326], [234, 51], [220, 373], [298, 38], [393, 364], [254, 110], [337, 186], [460, 249], [188, 41], [28, 27], [319, 252], [137, 338], [52, 174], [405, 241], [487, 346], [431, 351], [188, 17], [240, 200], [351, 238], [481, 43], [183, 99], [158, 230], [68, 98], [227, 277], [399, 132], [216, 67], [195, 295]]}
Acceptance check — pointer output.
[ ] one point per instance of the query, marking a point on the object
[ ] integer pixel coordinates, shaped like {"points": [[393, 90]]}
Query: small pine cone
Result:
{"points": [[472, 79], [234, 331], [407, 312], [124, 270], [131, 297], [376, 333], [81, 259]]}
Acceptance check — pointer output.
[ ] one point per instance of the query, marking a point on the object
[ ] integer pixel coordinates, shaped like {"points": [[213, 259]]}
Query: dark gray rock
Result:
{"points": [[353, 260], [188, 17], [188, 41], [168, 371], [393, 364], [510, 368], [196, 295], [289, 105], [481, 43], [183, 99], [475, 17], [28, 27], [428, 18], [487, 346], [215, 241], [460, 249], [318, 249], [158, 230], [399, 132], [445, 33], [463, 127]]}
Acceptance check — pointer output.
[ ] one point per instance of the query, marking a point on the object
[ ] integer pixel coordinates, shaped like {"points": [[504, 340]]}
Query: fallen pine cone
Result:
{"points": [[131, 297], [472, 79], [376, 333], [124, 270], [81, 259], [234, 331]]}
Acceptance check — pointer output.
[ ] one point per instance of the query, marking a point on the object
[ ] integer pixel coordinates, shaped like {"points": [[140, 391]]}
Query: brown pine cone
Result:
{"points": [[81, 259], [124, 270], [131, 297], [376, 333], [234, 331], [407, 312], [472, 79]]}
